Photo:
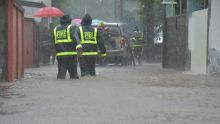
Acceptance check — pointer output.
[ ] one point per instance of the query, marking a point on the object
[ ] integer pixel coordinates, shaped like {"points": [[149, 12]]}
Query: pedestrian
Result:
{"points": [[103, 32], [91, 42], [101, 27], [66, 51]]}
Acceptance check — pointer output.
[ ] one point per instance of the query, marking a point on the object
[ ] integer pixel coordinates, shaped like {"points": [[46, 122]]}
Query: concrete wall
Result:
{"points": [[175, 43], [198, 41], [214, 38]]}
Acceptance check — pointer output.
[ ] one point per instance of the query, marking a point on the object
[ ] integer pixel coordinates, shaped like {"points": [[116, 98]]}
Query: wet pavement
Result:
{"points": [[144, 94]]}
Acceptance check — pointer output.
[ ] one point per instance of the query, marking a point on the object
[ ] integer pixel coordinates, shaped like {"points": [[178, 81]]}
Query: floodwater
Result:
{"points": [[145, 94]]}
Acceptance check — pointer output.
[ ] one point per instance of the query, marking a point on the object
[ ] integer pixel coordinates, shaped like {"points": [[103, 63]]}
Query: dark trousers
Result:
{"points": [[67, 63], [87, 65], [137, 54]]}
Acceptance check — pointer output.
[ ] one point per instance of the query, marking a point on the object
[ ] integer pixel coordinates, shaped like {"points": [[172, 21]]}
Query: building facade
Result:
{"points": [[18, 42], [192, 39], [13, 67]]}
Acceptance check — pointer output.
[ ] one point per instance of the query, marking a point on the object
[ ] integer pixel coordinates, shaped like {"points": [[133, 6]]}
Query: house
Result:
{"points": [[37, 43], [18, 39], [11, 41], [191, 39]]}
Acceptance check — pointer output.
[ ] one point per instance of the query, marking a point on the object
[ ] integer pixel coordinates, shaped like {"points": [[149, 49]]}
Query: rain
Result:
{"points": [[109, 62]]}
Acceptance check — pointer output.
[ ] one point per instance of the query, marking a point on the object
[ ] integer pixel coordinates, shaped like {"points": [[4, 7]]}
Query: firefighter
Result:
{"points": [[101, 26], [103, 32], [65, 45], [137, 39], [91, 42]]}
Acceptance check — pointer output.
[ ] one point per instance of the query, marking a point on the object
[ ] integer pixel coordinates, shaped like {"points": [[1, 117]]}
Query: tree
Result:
{"points": [[104, 9], [151, 15]]}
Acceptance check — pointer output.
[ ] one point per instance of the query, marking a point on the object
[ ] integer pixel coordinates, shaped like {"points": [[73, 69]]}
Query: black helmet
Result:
{"points": [[66, 19], [87, 20]]}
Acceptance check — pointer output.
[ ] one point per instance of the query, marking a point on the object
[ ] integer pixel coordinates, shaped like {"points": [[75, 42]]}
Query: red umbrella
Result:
{"points": [[49, 12]]}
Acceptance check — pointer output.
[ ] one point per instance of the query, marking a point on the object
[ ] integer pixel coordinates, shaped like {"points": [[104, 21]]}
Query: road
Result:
{"points": [[144, 94]]}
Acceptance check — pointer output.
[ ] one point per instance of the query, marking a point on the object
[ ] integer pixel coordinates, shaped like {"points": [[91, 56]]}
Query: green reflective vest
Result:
{"points": [[138, 40], [88, 38], [61, 38]]}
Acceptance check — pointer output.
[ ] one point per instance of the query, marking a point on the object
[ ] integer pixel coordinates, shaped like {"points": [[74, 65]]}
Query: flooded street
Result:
{"points": [[144, 94], [173, 43]]}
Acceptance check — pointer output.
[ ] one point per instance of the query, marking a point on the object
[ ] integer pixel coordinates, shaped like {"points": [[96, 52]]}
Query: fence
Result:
{"points": [[175, 42]]}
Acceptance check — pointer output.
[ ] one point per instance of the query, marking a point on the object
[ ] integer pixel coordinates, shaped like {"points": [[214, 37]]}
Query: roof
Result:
{"points": [[31, 4]]}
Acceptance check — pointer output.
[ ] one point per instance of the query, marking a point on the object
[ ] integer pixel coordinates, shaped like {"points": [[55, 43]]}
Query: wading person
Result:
{"points": [[65, 45], [91, 42]]}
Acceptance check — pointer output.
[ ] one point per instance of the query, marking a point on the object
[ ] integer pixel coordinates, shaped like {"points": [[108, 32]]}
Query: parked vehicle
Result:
{"points": [[116, 43]]}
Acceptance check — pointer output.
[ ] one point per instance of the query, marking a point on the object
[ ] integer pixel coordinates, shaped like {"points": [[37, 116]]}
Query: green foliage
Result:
{"points": [[131, 21], [151, 12], [154, 9]]}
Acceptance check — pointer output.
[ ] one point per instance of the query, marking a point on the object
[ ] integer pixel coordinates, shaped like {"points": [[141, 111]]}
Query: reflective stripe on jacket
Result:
{"points": [[138, 40], [65, 46], [88, 41]]}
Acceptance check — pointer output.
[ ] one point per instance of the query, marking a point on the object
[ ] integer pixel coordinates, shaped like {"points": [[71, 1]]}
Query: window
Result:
{"points": [[181, 7], [199, 4]]}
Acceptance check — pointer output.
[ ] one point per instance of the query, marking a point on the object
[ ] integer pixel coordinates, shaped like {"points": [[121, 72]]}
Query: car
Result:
{"points": [[117, 46]]}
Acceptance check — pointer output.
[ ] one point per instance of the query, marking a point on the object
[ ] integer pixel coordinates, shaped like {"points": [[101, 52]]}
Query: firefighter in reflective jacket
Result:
{"points": [[137, 39], [65, 45], [91, 42]]}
